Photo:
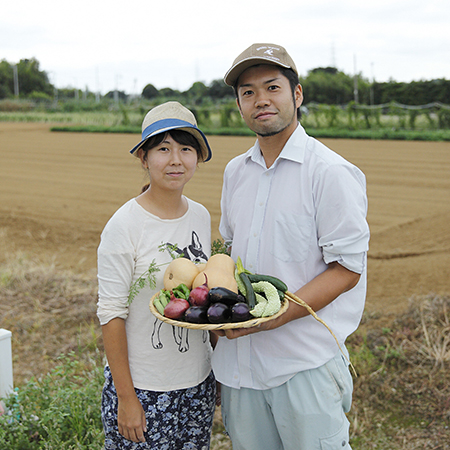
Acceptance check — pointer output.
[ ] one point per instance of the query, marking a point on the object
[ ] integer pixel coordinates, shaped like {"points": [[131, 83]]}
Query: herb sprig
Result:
{"points": [[148, 278]]}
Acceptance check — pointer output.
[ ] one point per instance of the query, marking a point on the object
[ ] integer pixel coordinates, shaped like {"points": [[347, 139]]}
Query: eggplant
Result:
{"points": [[196, 314], [240, 312], [219, 313], [223, 295]]}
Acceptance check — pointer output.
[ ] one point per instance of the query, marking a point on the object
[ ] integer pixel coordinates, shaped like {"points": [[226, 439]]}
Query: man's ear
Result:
{"points": [[298, 94]]}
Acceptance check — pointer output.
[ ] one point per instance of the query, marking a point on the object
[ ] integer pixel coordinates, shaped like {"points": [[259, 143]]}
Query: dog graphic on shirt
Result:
{"points": [[194, 252]]}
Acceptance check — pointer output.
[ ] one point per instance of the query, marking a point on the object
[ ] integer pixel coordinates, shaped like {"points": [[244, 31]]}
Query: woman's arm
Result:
{"points": [[130, 417]]}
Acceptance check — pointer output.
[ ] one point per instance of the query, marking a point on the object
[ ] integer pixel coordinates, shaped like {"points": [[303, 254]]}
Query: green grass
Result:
{"points": [[334, 133], [381, 133], [57, 411]]}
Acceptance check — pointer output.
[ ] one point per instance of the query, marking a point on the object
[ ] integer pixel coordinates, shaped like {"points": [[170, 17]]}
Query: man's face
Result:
{"points": [[266, 102]]}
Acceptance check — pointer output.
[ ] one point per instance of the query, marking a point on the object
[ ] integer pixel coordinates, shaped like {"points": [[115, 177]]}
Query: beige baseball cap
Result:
{"points": [[169, 116], [259, 54]]}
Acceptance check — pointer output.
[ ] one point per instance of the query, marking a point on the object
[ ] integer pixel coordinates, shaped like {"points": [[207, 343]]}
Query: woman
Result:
{"points": [[159, 391]]}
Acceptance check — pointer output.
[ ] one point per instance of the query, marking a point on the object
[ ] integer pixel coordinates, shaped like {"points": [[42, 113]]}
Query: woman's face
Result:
{"points": [[170, 164]]}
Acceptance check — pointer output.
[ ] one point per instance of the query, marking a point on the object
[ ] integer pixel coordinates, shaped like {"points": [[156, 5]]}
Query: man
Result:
{"points": [[294, 209]]}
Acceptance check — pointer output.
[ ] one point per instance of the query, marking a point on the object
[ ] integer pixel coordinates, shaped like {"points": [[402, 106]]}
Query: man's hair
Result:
{"points": [[293, 83]]}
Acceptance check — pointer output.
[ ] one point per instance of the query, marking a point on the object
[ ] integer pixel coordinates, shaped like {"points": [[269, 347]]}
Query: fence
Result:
{"points": [[434, 116]]}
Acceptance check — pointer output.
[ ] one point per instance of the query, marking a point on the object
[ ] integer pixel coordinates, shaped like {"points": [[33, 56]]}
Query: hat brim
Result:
{"points": [[165, 125], [235, 72]]}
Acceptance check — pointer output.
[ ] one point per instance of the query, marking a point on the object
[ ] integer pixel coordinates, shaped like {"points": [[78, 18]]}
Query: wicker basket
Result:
{"points": [[217, 326]]}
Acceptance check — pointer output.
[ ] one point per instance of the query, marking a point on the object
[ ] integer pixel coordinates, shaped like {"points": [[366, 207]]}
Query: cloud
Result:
{"points": [[174, 43]]}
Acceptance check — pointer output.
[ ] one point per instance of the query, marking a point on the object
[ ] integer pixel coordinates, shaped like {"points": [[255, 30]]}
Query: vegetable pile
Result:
{"points": [[218, 292]]}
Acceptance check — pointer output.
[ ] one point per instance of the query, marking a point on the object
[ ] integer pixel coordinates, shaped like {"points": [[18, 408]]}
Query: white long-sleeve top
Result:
{"points": [[161, 357], [291, 220]]}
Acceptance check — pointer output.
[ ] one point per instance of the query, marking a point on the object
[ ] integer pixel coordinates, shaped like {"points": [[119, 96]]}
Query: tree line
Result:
{"points": [[322, 85]]}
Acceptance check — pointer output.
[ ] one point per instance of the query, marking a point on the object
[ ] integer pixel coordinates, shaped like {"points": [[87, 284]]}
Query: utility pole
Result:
{"points": [[16, 81], [371, 87], [355, 81]]}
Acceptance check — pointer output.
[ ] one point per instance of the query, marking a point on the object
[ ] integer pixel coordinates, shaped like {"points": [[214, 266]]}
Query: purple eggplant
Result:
{"points": [[196, 314], [219, 313], [240, 312], [223, 295]]}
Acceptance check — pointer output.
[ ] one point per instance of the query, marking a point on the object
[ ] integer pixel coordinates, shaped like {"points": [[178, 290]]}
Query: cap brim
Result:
{"points": [[165, 125], [234, 73]]}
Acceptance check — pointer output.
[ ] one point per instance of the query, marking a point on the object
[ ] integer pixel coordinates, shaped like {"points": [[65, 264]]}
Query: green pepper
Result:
{"points": [[181, 291]]}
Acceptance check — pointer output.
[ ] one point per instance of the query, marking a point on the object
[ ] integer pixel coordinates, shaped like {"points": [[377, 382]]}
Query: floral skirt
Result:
{"points": [[176, 420]]}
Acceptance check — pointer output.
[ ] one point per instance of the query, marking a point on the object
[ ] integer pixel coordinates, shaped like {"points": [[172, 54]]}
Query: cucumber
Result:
{"points": [[280, 285], [250, 294]]}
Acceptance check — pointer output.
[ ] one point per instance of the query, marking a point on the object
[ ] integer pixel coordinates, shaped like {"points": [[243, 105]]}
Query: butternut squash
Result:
{"points": [[180, 270], [220, 273]]}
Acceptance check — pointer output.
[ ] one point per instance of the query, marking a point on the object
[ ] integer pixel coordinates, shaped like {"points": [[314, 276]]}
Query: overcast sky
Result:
{"points": [[104, 45]]}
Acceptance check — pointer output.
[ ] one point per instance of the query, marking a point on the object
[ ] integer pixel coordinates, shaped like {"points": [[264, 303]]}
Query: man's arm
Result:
{"points": [[318, 293]]}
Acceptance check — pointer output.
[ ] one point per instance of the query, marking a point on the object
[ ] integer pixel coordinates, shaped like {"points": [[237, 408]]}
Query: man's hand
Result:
{"points": [[318, 293]]}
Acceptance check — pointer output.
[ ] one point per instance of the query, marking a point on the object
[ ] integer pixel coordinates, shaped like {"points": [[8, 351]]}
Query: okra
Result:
{"points": [[164, 297], [159, 307]]}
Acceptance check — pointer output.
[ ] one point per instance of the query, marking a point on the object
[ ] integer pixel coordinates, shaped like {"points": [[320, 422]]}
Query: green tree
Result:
{"points": [[218, 90], [330, 86], [6, 79], [169, 92], [197, 92], [32, 79], [150, 92]]}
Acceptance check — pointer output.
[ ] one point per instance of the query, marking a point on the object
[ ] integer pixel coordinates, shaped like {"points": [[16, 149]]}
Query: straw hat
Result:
{"points": [[170, 116]]}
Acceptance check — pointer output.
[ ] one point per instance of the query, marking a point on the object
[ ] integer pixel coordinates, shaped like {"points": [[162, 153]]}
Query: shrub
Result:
{"points": [[59, 411]]}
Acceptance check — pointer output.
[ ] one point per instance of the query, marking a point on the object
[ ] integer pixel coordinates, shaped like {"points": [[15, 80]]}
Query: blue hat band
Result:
{"points": [[165, 125]]}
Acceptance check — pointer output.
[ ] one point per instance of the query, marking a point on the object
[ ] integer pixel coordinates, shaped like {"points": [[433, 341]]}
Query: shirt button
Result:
{"points": [[343, 443]]}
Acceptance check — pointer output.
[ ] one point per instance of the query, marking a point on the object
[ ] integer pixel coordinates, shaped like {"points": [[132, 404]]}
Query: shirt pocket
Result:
{"points": [[292, 237]]}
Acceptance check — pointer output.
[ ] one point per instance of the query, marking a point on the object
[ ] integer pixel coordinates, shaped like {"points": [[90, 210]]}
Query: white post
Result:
{"points": [[6, 372]]}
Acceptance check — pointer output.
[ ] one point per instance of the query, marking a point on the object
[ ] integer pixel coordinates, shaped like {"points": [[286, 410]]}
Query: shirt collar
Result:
{"points": [[294, 149]]}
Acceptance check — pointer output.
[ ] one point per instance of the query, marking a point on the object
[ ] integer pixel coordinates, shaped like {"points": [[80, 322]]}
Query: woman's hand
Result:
{"points": [[130, 414], [131, 419]]}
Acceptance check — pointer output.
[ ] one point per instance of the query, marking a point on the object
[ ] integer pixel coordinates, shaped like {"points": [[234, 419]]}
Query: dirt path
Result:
{"points": [[57, 190]]}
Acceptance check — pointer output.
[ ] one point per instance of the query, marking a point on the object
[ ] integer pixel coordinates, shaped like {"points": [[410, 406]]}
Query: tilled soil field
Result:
{"points": [[57, 191]]}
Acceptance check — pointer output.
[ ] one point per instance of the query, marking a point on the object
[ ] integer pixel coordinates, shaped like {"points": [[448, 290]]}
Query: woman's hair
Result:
{"points": [[180, 136]]}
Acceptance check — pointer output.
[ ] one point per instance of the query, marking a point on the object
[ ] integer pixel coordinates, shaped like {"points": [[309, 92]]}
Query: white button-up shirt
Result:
{"points": [[290, 220]]}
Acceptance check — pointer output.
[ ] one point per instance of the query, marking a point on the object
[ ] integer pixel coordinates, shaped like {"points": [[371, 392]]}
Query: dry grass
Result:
{"points": [[402, 395], [49, 313]]}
